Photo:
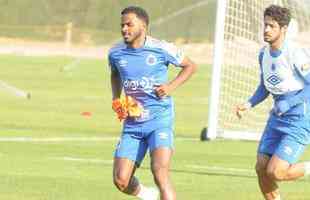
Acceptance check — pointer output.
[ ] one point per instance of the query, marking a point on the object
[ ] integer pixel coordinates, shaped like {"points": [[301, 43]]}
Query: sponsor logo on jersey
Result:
{"points": [[151, 60], [144, 83]]}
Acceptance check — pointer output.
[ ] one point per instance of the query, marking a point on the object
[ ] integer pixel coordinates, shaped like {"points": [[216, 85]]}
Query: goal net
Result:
{"points": [[236, 70]]}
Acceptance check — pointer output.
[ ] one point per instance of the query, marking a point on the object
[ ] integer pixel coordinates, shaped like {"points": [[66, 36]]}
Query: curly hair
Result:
{"points": [[140, 12], [280, 14]]}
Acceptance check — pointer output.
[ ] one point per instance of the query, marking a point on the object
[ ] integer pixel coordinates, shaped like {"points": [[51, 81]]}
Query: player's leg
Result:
{"points": [[283, 165], [268, 143], [125, 181], [281, 170], [268, 186], [160, 164], [161, 147], [128, 155], [123, 176]]}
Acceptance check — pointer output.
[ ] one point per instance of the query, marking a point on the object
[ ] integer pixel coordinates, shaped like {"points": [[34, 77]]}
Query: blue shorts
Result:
{"points": [[285, 137], [134, 143]]}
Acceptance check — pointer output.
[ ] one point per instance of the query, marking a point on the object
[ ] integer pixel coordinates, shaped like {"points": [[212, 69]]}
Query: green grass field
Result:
{"points": [[49, 151]]}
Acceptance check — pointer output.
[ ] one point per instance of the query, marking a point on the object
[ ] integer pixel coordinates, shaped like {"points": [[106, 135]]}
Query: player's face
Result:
{"points": [[272, 30], [132, 28]]}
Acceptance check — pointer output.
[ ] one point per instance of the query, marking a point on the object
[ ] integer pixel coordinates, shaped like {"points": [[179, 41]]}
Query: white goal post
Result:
{"points": [[235, 71]]}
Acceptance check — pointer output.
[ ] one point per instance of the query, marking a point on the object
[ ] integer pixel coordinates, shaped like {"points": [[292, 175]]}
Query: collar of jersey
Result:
{"points": [[135, 49], [277, 53], [140, 48]]}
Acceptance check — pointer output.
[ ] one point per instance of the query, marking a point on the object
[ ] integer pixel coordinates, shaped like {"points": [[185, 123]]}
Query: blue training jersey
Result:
{"points": [[285, 74], [141, 70]]}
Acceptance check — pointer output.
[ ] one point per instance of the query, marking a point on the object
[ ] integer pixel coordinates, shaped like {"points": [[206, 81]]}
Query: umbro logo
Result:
{"points": [[163, 135], [122, 63], [274, 80]]}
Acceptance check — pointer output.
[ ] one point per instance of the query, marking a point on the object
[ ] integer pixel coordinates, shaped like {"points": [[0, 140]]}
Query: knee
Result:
{"points": [[276, 174], [273, 173], [121, 182], [160, 173]]}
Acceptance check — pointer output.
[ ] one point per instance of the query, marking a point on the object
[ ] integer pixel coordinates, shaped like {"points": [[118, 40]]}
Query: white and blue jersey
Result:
{"points": [[285, 74], [141, 70]]}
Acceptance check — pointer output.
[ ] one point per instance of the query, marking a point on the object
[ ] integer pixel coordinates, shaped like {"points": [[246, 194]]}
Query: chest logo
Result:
{"points": [[274, 80], [122, 63], [151, 60]]}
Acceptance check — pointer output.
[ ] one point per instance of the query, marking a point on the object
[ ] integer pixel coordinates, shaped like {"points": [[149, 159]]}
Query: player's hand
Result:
{"points": [[242, 108], [281, 107], [120, 109], [162, 91]]}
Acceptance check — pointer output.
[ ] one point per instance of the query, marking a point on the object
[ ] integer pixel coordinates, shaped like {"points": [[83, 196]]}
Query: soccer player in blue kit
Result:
{"points": [[139, 67], [285, 74]]}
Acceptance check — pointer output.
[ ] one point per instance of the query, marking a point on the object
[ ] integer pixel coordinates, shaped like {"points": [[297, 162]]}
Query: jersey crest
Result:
{"points": [[151, 60]]}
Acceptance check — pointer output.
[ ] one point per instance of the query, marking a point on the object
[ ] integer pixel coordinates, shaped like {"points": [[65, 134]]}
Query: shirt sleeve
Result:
{"points": [[260, 94], [301, 64], [174, 55], [111, 63]]}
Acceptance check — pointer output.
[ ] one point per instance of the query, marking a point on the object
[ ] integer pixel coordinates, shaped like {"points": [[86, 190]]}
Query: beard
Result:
{"points": [[132, 37], [267, 39]]}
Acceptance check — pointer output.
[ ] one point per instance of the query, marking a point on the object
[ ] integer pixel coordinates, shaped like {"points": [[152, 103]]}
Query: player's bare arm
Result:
{"points": [[188, 68], [116, 85], [116, 93]]}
